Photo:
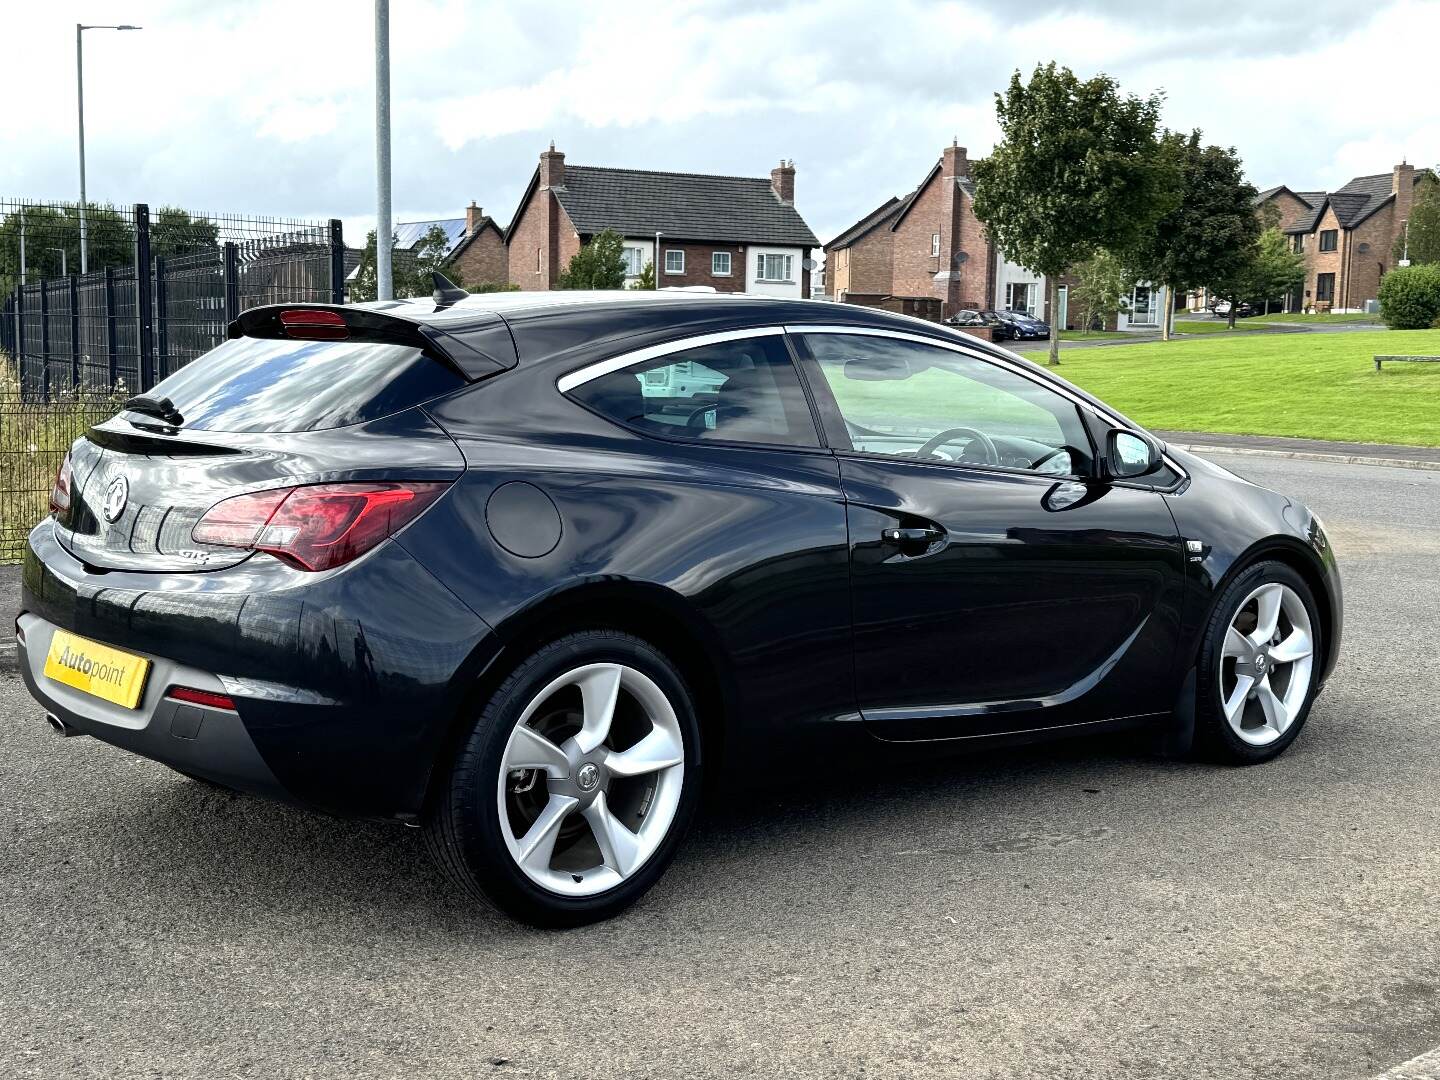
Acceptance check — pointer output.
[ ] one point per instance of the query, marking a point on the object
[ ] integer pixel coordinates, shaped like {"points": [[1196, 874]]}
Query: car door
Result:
{"points": [[997, 584]]}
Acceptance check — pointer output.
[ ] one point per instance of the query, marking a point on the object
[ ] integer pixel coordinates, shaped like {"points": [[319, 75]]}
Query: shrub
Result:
{"points": [[1410, 297]]}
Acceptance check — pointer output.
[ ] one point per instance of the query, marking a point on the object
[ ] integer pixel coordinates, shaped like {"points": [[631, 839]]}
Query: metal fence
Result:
{"points": [[158, 291]]}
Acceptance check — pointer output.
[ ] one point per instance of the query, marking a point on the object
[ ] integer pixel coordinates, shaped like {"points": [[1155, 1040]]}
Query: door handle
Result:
{"points": [[926, 535]]}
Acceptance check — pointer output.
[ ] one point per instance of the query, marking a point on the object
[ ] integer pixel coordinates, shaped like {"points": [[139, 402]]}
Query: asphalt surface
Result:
{"points": [[1082, 910]]}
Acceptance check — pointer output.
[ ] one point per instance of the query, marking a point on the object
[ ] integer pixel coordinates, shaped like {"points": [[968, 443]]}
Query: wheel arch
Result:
{"points": [[653, 613], [1295, 554]]}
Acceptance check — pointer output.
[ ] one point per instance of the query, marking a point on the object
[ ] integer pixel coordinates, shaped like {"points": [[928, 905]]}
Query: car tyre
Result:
{"points": [[617, 791], [1260, 664]]}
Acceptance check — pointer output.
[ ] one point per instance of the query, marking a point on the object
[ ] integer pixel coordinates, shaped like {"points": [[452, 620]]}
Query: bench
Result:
{"points": [[1406, 359]]}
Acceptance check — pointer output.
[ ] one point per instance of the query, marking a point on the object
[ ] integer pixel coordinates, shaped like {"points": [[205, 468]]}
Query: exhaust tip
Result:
{"points": [[59, 726]]}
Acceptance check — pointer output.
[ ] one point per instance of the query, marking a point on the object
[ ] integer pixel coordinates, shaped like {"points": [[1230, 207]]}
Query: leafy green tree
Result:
{"points": [[1422, 244], [1078, 170], [1210, 228], [600, 264], [1102, 283], [1410, 297], [1276, 267], [646, 278], [50, 230], [1267, 269], [175, 232], [409, 267]]}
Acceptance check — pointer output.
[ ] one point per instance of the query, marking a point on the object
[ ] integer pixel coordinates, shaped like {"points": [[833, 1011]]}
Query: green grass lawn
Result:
{"points": [[1319, 386], [1353, 317], [1092, 335], [1212, 326]]}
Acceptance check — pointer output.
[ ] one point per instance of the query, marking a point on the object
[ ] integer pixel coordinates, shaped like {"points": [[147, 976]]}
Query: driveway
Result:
{"points": [[1083, 910]]}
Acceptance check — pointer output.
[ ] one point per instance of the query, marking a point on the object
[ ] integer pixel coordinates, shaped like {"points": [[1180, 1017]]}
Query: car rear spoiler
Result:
{"points": [[476, 345]]}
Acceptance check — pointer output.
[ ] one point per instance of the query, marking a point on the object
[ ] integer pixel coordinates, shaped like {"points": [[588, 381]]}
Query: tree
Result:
{"points": [[409, 267], [600, 264], [1210, 227], [1078, 170], [175, 232], [646, 278], [1269, 267], [1410, 297], [110, 241], [1102, 282], [1276, 267], [1421, 242]]}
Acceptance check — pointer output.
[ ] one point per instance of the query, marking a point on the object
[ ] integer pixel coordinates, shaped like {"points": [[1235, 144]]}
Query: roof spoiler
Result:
{"points": [[477, 346]]}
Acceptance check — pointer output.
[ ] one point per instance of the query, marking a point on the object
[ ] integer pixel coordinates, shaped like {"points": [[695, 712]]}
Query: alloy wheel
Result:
{"points": [[1266, 663], [590, 779]]}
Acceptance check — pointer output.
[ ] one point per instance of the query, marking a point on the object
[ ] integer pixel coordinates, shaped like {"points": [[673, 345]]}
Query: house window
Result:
{"points": [[674, 261], [1324, 287], [1017, 296], [935, 245], [1298, 243], [720, 263], [634, 261], [1329, 239], [537, 260], [773, 267]]}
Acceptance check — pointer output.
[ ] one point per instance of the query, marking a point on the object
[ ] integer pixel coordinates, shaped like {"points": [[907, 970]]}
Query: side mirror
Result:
{"points": [[1131, 454]]}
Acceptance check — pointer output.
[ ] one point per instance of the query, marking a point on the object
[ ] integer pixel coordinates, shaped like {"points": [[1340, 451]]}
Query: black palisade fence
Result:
{"points": [[159, 290]]}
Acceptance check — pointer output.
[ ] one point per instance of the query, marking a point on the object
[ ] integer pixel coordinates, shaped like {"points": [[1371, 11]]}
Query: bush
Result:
{"points": [[1410, 297]]}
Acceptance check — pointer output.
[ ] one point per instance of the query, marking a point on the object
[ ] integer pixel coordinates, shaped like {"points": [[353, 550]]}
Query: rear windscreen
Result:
{"points": [[260, 384]]}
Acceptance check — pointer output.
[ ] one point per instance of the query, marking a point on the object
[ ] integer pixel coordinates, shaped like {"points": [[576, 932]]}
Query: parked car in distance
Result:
{"points": [[527, 570], [1000, 329], [1243, 310], [1027, 327]]}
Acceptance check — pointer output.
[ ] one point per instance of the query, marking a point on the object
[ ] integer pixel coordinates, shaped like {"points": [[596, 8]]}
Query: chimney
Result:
{"points": [[782, 179], [1402, 186], [473, 217], [955, 161], [552, 168]]}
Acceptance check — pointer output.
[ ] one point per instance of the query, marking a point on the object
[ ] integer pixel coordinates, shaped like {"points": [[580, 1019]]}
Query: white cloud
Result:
{"points": [[267, 106]]}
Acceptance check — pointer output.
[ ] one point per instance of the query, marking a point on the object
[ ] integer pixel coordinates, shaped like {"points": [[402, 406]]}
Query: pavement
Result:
{"points": [[1085, 909]]}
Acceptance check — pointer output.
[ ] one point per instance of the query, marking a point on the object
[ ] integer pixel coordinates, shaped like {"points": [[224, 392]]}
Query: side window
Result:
{"points": [[733, 391], [907, 400]]}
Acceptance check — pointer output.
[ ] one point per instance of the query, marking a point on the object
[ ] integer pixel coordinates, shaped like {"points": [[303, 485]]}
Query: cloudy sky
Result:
{"points": [[266, 106]]}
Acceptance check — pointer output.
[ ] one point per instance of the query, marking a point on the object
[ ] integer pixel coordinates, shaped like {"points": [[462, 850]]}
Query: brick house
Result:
{"points": [[1347, 235], [480, 253], [732, 233], [928, 244]]}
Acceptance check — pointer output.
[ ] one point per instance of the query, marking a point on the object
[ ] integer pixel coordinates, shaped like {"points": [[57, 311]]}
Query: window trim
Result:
{"points": [[934, 245], [829, 411], [729, 264], [674, 251], [787, 264], [1334, 234]]}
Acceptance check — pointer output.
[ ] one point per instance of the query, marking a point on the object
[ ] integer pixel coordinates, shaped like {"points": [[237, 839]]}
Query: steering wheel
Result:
{"points": [[992, 456]]}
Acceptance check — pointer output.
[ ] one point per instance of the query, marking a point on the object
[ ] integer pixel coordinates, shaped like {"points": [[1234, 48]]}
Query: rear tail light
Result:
{"points": [[313, 325], [319, 526], [60, 489], [200, 697]]}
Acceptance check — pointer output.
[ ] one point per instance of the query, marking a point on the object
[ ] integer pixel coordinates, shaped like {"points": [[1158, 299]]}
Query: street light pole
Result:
{"points": [[384, 279], [80, 29]]}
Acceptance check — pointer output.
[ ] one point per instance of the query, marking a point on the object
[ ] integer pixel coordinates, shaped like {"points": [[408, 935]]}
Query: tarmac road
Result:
{"points": [[1083, 910]]}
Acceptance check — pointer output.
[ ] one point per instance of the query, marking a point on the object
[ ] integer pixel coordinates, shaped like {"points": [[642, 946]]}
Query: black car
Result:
{"points": [[527, 569], [1001, 329]]}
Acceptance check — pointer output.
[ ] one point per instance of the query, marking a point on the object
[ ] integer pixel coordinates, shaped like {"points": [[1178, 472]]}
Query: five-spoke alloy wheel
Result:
{"points": [[570, 795], [1258, 665]]}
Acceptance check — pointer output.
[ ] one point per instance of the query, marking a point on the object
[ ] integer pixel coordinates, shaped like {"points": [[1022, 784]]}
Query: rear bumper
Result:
{"points": [[347, 684], [196, 739]]}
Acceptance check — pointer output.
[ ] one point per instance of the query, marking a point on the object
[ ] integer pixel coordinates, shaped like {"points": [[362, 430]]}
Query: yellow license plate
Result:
{"points": [[96, 669]]}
